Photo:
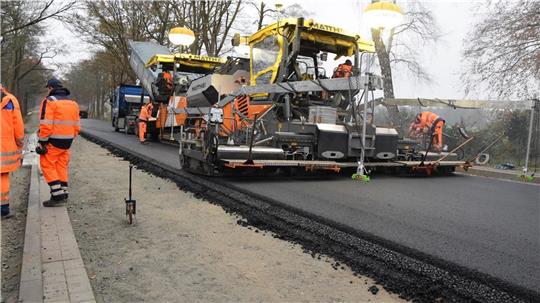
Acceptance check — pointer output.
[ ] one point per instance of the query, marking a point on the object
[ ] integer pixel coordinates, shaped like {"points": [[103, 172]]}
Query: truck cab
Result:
{"points": [[126, 103]]}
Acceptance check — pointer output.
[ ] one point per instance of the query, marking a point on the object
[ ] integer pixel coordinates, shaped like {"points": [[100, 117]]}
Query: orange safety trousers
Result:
{"points": [[54, 165], [142, 131], [5, 189]]}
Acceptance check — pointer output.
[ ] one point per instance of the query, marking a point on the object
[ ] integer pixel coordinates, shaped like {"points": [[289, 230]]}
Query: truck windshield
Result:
{"points": [[264, 54]]}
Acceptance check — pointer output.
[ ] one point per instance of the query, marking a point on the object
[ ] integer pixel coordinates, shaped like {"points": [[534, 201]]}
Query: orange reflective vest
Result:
{"points": [[12, 132], [343, 71], [169, 79], [427, 119], [146, 112], [59, 120], [432, 121]]}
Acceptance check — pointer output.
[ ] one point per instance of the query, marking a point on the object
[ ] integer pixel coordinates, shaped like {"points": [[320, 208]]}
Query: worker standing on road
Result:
{"points": [[58, 126], [429, 123], [343, 70], [10, 145], [144, 116]]}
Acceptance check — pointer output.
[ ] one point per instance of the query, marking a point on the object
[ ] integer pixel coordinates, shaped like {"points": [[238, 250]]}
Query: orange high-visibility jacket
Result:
{"points": [[59, 120], [167, 76], [343, 71], [146, 112], [12, 132], [428, 119]]}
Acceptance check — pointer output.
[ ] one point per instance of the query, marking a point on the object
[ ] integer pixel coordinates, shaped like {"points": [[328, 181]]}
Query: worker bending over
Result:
{"points": [[144, 117], [429, 123], [58, 126], [343, 70], [10, 145]]}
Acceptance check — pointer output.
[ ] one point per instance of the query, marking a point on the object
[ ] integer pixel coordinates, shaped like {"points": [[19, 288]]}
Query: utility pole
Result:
{"points": [[535, 107]]}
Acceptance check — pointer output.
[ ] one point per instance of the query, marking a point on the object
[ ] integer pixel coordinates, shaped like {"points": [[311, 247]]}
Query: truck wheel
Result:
{"points": [[184, 163], [115, 124], [153, 133]]}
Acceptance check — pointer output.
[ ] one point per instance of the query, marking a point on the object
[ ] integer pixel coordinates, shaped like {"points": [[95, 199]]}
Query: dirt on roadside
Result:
{"points": [[186, 249], [13, 234]]}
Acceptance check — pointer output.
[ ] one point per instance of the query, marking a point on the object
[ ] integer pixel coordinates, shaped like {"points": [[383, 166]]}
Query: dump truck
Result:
{"points": [[126, 102]]}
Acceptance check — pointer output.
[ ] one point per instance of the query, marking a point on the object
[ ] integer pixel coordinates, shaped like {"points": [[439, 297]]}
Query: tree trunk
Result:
{"points": [[386, 72], [261, 16]]}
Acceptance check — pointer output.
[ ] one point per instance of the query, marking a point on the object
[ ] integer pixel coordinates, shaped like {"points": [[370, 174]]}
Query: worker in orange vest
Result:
{"points": [[58, 126], [12, 131], [144, 116], [343, 70], [429, 123], [169, 78]]}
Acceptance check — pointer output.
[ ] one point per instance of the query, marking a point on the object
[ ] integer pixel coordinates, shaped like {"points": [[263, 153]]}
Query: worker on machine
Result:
{"points": [[10, 145], [144, 116], [59, 124], [169, 80], [428, 123], [343, 70]]}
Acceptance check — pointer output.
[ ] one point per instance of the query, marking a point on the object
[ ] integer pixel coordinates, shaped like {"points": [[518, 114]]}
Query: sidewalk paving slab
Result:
{"points": [[31, 286], [52, 269]]}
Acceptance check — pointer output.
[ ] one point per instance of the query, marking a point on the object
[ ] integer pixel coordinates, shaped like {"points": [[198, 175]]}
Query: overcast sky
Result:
{"points": [[443, 62]]}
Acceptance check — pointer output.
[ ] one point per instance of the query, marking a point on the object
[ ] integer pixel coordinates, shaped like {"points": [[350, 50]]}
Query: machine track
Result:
{"points": [[410, 273]]}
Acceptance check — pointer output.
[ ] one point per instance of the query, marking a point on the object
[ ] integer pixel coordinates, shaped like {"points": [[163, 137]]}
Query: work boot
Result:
{"points": [[53, 202], [9, 215], [65, 189], [6, 214]]}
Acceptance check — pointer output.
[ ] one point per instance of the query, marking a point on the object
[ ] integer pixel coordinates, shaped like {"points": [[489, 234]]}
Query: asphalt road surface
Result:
{"points": [[484, 224]]}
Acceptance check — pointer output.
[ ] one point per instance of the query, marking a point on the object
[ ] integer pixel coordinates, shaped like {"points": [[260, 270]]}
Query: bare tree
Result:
{"points": [[91, 81], [263, 10], [402, 49], [211, 21], [34, 14], [502, 52], [22, 51], [110, 24], [217, 19]]}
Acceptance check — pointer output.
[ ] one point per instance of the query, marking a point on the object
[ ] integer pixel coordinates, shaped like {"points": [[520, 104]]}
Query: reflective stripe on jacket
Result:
{"points": [[12, 132], [59, 121]]}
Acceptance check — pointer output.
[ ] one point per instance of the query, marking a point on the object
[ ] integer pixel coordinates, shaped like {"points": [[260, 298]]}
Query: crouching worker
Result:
{"points": [[58, 126], [430, 124]]}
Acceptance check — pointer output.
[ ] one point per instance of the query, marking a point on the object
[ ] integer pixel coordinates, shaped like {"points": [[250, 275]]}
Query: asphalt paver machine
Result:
{"points": [[290, 115]]}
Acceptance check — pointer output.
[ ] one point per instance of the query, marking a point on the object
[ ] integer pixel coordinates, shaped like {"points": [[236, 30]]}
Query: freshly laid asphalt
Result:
{"points": [[483, 224]]}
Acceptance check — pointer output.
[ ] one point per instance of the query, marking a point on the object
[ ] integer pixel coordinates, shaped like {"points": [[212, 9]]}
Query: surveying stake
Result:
{"points": [[130, 203]]}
